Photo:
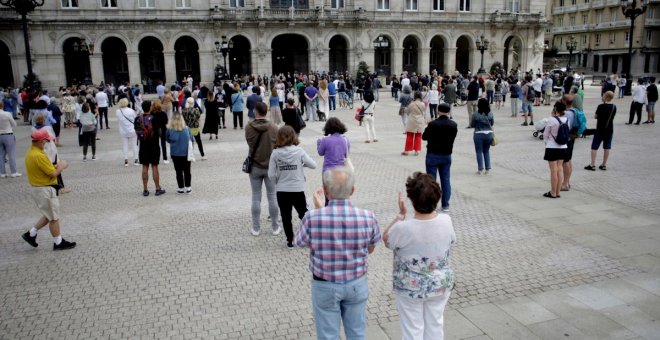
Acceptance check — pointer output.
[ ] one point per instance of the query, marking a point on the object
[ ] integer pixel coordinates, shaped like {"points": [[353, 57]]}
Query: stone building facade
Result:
{"points": [[142, 41]]}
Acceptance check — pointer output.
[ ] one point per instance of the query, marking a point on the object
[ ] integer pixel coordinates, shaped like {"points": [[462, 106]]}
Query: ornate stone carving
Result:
{"points": [[537, 48], [52, 36]]}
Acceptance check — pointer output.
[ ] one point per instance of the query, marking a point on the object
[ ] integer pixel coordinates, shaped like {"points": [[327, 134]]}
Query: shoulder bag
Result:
{"points": [[495, 140], [247, 163]]}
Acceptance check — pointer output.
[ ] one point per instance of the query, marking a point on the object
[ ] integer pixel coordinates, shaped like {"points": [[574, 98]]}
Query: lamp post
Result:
{"points": [[482, 46], [632, 12], [571, 45], [24, 7], [83, 46], [224, 47]]}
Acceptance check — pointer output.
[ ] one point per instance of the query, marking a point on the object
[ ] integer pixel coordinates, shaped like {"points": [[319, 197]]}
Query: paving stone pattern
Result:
{"points": [[185, 266]]}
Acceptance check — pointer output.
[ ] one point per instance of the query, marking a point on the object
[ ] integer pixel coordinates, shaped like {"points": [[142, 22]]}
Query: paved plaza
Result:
{"points": [[585, 266]]}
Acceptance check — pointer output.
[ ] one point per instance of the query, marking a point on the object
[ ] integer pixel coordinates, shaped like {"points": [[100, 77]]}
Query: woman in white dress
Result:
{"points": [[126, 119], [324, 99]]}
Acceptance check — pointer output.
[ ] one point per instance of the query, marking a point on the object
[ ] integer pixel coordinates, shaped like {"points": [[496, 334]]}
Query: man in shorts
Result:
{"points": [[42, 176], [149, 153]]}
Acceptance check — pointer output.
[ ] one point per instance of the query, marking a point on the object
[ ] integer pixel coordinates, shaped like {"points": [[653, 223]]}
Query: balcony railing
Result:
{"points": [[652, 22]]}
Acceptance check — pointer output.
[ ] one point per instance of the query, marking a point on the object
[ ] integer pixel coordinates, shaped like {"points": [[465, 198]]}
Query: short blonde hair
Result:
{"points": [[156, 105], [176, 123], [608, 96], [123, 103], [190, 102]]}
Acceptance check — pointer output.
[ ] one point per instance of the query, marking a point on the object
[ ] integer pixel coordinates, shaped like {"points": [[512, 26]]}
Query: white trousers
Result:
{"points": [[422, 319], [128, 142], [368, 122]]}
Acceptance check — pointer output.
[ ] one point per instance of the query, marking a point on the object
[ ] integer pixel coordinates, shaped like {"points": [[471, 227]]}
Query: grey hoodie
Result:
{"points": [[286, 168]]}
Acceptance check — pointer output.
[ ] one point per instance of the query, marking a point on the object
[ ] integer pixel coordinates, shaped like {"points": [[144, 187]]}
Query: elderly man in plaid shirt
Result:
{"points": [[340, 236]]}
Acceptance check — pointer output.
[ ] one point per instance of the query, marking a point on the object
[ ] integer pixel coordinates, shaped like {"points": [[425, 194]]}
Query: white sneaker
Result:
{"points": [[204, 158], [278, 231], [16, 174], [254, 232], [188, 190], [445, 210], [3, 176], [166, 161]]}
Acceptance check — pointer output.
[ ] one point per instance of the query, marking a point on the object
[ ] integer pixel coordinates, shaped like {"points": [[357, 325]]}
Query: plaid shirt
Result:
{"points": [[339, 237]]}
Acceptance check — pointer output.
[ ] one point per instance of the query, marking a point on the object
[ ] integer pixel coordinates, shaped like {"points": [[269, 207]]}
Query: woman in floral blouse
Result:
{"points": [[422, 276]]}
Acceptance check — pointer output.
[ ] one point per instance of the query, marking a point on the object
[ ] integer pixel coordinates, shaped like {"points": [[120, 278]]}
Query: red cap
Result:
{"points": [[41, 134]]}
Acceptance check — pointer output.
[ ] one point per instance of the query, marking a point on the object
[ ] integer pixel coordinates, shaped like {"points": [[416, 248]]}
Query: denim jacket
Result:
{"points": [[481, 122]]}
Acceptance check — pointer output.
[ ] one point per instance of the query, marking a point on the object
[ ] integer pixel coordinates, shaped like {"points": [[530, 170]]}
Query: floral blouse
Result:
{"points": [[422, 257]]}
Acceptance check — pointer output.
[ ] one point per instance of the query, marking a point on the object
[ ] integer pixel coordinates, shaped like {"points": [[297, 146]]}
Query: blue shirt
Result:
{"points": [[332, 90], [178, 141]]}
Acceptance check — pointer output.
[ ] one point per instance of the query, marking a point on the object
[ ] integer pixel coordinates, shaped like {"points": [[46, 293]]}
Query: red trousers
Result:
{"points": [[413, 141]]}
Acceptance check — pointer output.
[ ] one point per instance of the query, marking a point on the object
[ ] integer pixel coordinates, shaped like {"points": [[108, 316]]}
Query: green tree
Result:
{"points": [[362, 73]]}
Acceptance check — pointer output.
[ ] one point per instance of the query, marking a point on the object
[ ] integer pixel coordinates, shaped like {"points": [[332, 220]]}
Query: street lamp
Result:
{"points": [[571, 45], [381, 42], [24, 7], [632, 12], [482, 45], [83, 46], [224, 47]]}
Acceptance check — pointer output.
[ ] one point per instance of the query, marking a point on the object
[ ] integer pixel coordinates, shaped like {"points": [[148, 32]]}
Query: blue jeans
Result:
{"points": [[334, 302], [440, 163], [259, 177], [332, 103], [526, 107], [489, 96], [482, 147]]}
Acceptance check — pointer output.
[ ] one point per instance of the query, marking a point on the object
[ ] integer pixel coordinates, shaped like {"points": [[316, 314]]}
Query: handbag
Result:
{"points": [[301, 122], [347, 161], [247, 163], [495, 140], [401, 111]]}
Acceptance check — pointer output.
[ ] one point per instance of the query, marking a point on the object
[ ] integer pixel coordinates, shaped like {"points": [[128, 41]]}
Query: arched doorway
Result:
{"points": [[410, 46], [76, 62], [463, 54], [338, 54], [6, 72], [115, 61], [437, 55], [239, 57], [290, 54], [152, 65], [382, 56], [186, 56], [512, 53]]}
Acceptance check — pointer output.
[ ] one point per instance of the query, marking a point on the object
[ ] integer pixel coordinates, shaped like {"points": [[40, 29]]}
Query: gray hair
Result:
{"points": [[339, 182], [406, 89]]}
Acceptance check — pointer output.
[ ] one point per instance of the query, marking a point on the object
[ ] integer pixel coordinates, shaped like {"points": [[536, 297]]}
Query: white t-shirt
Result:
{"points": [[422, 256], [126, 119], [101, 99], [405, 81], [551, 130]]}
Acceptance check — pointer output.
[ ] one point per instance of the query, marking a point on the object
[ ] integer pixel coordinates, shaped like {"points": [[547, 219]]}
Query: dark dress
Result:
{"points": [[212, 118], [290, 117]]}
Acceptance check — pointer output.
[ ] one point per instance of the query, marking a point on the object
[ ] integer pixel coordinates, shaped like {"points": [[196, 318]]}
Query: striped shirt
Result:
{"points": [[339, 237]]}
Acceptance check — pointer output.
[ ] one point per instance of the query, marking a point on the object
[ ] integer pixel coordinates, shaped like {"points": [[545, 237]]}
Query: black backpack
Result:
{"points": [[368, 96], [563, 134], [531, 96]]}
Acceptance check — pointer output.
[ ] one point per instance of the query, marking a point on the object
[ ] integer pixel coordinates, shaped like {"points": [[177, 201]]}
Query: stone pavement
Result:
{"points": [[585, 266]]}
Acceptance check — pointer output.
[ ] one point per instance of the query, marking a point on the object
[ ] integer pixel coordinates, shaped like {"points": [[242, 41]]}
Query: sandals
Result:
{"points": [[549, 195], [602, 167], [590, 167]]}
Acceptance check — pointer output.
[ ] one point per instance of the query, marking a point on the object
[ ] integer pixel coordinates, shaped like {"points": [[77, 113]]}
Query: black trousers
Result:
{"points": [[198, 139], [89, 138], [182, 169], [163, 144], [103, 113], [221, 121], [238, 118], [635, 109], [286, 201]]}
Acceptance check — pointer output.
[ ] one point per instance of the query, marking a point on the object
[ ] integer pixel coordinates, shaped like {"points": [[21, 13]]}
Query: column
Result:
{"points": [[134, 73], [207, 66], [424, 60], [450, 60], [170, 67], [397, 60], [322, 60], [96, 68]]}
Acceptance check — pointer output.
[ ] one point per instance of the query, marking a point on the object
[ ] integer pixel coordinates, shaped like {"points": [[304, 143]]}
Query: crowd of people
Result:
{"points": [[278, 108]]}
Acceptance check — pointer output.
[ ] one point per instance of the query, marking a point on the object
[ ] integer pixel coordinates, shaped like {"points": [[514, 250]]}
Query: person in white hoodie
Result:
{"points": [[286, 171]]}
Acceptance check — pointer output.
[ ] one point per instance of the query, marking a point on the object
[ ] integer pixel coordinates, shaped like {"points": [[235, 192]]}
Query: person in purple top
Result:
{"points": [[311, 93], [334, 147]]}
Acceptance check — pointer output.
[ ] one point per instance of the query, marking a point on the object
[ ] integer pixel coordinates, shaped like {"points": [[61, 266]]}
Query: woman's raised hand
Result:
{"points": [[402, 207]]}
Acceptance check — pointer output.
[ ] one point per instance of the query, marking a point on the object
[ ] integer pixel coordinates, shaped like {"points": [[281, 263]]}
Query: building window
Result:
{"points": [[572, 20], [613, 14], [584, 40], [183, 3], [337, 4], [438, 5], [146, 4], [585, 19], [599, 17], [649, 14], [109, 3], [547, 29], [561, 41], [411, 5], [561, 3], [586, 1], [464, 5], [514, 6], [573, 2], [232, 3], [612, 38], [69, 3], [626, 36], [597, 39], [649, 36], [383, 4], [560, 22]]}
